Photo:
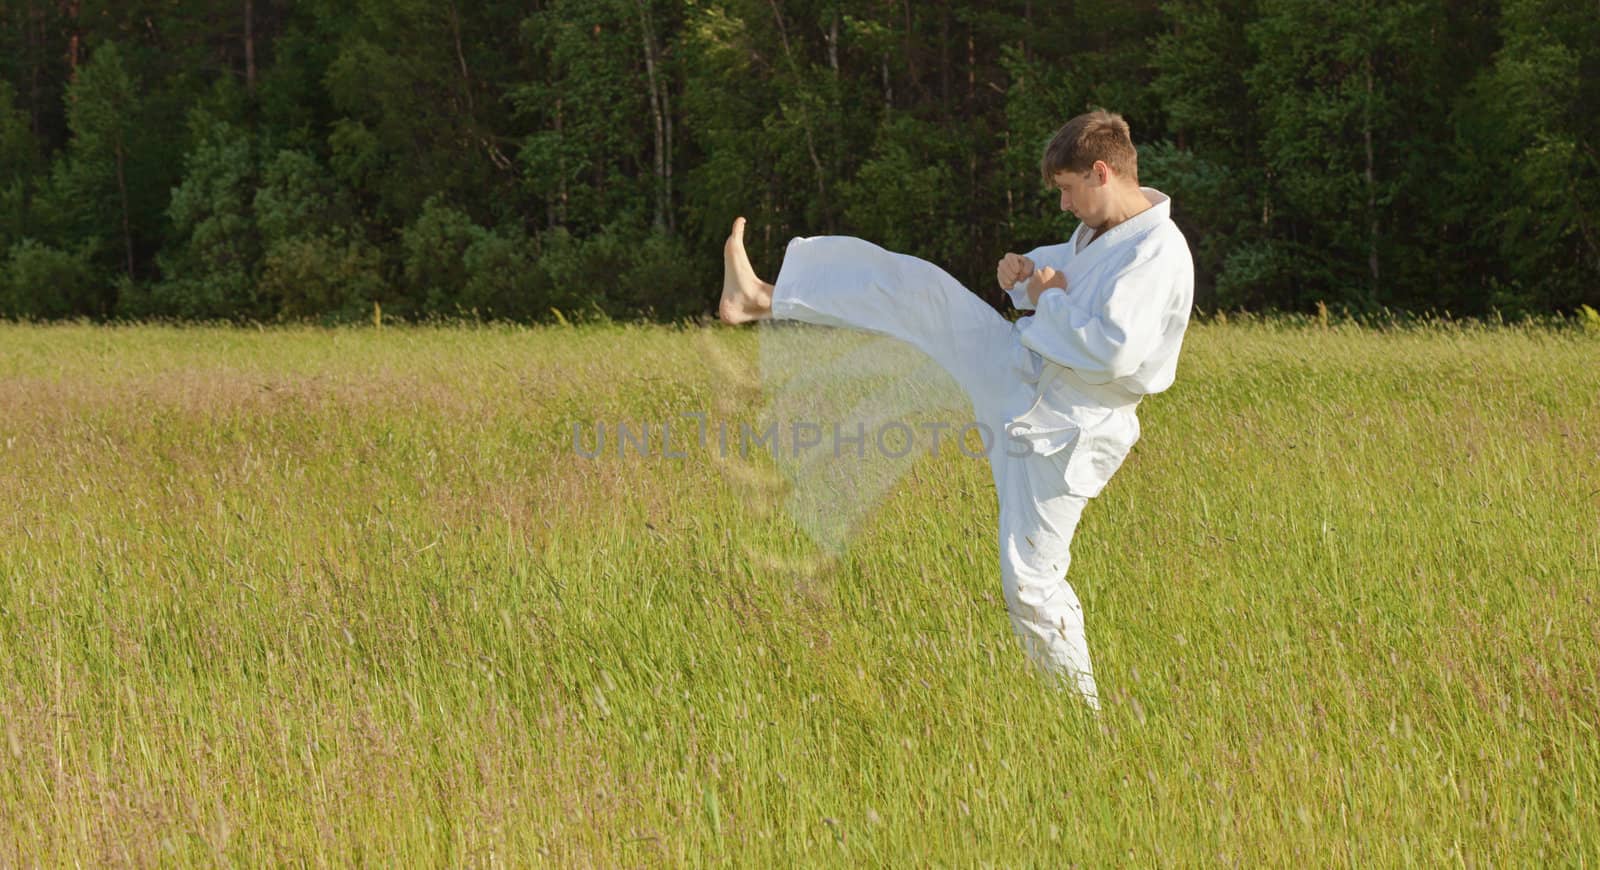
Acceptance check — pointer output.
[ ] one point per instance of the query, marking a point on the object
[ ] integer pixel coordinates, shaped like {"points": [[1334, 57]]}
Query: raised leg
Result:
{"points": [[848, 282]]}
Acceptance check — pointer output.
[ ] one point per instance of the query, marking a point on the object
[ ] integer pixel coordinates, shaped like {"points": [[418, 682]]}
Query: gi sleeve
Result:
{"points": [[1104, 340], [1054, 256], [1019, 296]]}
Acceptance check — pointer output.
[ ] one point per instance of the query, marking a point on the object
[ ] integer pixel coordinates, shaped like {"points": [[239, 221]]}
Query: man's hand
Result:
{"points": [[1043, 280], [1012, 268]]}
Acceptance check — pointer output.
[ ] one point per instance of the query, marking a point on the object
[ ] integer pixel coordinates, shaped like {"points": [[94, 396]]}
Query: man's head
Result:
{"points": [[1092, 161]]}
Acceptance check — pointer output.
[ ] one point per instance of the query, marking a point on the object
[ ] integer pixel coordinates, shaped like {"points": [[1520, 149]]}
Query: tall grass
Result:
{"points": [[350, 595]]}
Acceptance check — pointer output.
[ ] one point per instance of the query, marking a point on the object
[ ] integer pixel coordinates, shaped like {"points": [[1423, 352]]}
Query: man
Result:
{"points": [[1058, 388]]}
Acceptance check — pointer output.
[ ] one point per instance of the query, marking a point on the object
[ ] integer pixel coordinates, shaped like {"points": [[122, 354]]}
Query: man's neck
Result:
{"points": [[1126, 206]]}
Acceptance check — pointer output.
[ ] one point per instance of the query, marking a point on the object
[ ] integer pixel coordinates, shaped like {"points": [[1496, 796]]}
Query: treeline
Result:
{"points": [[260, 159]]}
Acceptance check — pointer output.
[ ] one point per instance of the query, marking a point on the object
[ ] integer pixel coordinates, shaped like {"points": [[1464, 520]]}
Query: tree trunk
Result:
{"points": [[70, 10], [944, 59], [822, 184], [666, 111], [461, 58], [250, 46], [833, 43], [1027, 27], [972, 70], [36, 47], [1372, 187], [1266, 199], [783, 32], [647, 34], [559, 218], [122, 190], [1011, 204], [888, 89], [912, 74]]}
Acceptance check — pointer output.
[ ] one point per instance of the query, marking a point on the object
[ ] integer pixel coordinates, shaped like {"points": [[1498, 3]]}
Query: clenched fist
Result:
{"points": [[1043, 280], [1012, 268]]}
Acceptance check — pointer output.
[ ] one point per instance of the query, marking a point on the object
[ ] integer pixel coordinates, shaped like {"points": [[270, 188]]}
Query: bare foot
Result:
{"points": [[744, 296]]}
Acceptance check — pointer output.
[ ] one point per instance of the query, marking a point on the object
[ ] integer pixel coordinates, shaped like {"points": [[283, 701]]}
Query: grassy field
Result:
{"points": [[350, 596]]}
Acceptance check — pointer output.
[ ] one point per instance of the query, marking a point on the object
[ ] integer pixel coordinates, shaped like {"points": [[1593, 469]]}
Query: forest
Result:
{"points": [[269, 160]]}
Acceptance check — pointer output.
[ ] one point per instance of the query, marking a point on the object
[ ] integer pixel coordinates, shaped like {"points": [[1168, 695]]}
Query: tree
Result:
{"points": [[1354, 101], [1213, 165], [1419, 154], [418, 84], [1526, 172], [95, 195], [317, 258], [19, 167], [212, 261]]}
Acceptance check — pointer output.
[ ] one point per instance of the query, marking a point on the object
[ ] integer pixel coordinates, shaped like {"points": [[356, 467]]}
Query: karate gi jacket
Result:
{"points": [[1111, 338]]}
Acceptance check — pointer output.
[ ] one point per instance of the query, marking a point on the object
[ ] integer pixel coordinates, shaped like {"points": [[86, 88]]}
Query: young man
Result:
{"points": [[1058, 388]]}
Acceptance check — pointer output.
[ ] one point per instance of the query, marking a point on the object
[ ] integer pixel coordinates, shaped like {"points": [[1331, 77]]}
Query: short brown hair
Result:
{"points": [[1096, 135]]}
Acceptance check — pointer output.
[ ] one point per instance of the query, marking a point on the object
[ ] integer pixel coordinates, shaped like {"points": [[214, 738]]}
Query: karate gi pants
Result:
{"points": [[847, 282]]}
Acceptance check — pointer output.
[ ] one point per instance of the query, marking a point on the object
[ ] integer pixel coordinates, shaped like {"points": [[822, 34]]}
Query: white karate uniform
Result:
{"points": [[1058, 388]]}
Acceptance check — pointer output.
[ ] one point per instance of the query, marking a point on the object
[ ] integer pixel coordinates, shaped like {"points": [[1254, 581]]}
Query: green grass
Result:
{"points": [[350, 596]]}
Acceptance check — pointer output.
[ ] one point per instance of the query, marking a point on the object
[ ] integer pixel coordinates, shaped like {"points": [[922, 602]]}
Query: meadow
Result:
{"points": [[348, 595]]}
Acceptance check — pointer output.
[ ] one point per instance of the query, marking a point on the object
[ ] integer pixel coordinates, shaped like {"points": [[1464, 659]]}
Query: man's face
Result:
{"points": [[1083, 193]]}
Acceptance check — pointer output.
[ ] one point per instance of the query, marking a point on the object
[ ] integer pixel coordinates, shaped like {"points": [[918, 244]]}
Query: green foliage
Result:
{"points": [[212, 263], [1349, 132], [1526, 156], [655, 273], [588, 156], [906, 188], [83, 197], [106, 193], [317, 260], [435, 247], [424, 119], [298, 196], [1212, 164], [585, 274], [1589, 319], [1420, 155], [322, 277], [502, 277], [453, 266], [19, 163], [37, 280]]}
